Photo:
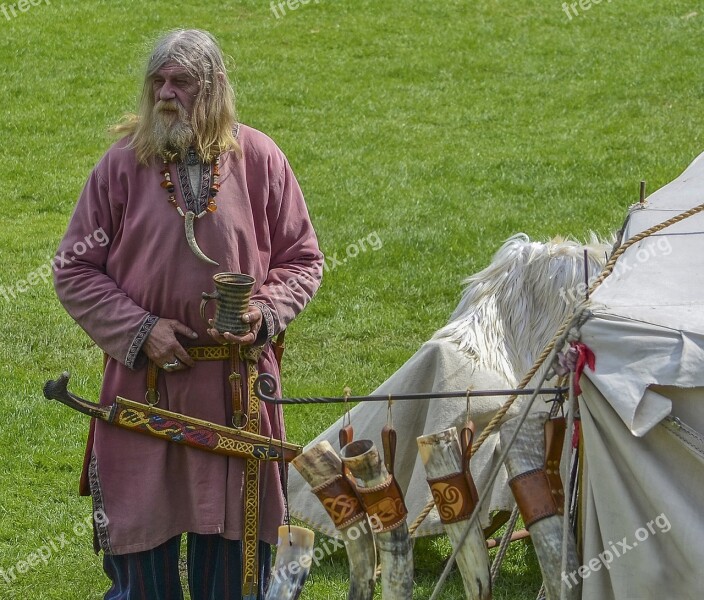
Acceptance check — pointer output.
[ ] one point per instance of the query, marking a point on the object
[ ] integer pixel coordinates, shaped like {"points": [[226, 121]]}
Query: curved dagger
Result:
{"points": [[191, 239], [175, 427]]}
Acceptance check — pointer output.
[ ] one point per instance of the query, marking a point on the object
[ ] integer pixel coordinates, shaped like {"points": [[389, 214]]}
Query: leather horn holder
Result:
{"points": [[385, 502], [539, 493], [554, 440], [453, 496], [340, 500], [533, 496]]}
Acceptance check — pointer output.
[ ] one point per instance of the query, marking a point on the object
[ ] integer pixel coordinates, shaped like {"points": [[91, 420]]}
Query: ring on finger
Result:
{"points": [[170, 366]]}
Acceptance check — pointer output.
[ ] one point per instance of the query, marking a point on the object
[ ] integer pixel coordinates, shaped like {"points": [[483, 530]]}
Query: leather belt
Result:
{"points": [[203, 353]]}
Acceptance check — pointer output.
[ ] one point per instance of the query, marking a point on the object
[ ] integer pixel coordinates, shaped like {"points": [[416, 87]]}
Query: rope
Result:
{"points": [[421, 517], [566, 459], [608, 269], [541, 593], [503, 410], [503, 548], [486, 492]]}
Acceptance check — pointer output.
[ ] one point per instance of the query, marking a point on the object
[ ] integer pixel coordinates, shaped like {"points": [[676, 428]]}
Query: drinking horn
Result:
{"points": [[294, 555], [455, 496], [383, 502], [536, 485], [321, 467]]}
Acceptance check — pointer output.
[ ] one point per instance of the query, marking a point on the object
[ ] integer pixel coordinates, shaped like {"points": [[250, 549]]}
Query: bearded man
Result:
{"points": [[184, 159]]}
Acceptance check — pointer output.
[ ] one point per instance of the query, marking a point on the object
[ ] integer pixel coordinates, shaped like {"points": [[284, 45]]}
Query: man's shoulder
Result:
{"points": [[257, 144], [249, 135], [120, 155]]}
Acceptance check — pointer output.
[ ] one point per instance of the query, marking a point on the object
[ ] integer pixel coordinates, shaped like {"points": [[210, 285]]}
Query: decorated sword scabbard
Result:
{"points": [[174, 427]]}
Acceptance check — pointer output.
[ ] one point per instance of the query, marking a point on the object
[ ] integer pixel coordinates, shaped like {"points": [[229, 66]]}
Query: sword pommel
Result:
{"points": [[55, 387], [58, 390]]}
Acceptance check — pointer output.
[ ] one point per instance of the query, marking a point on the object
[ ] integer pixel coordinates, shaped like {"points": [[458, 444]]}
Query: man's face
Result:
{"points": [[174, 95], [173, 84]]}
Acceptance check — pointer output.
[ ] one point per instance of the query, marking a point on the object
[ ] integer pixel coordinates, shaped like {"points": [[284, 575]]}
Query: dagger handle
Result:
{"points": [[58, 390]]}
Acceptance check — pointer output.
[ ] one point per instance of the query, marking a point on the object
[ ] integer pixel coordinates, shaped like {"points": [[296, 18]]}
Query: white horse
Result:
{"points": [[507, 315]]}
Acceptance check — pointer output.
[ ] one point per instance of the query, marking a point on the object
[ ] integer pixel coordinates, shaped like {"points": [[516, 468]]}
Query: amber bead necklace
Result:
{"points": [[169, 186], [189, 216]]}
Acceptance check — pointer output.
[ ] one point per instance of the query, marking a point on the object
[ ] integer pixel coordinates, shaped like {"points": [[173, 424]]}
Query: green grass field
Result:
{"points": [[433, 129]]}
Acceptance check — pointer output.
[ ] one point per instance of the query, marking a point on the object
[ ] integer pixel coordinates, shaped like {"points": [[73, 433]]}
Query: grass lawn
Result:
{"points": [[430, 130]]}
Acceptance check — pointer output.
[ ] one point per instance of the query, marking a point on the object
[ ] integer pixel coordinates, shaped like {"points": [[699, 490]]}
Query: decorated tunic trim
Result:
{"points": [[100, 526], [268, 318], [136, 345], [195, 205]]}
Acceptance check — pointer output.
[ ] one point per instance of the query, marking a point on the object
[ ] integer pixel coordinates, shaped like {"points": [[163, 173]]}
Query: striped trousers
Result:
{"points": [[214, 570]]}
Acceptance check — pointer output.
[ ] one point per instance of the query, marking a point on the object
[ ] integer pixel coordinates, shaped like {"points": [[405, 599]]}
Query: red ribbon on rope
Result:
{"points": [[574, 360], [584, 357]]}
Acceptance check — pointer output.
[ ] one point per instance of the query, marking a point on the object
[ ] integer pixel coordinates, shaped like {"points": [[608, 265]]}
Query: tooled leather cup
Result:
{"points": [[231, 295]]}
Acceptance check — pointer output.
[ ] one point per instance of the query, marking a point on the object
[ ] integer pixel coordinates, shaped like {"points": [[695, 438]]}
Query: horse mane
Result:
{"points": [[510, 310]]}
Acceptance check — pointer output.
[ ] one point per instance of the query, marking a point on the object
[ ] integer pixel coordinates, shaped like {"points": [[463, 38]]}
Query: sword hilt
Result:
{"points": [[57, 389]]}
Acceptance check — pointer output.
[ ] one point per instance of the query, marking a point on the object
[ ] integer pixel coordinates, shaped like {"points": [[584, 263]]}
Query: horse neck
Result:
{"points": [[509, 348]]}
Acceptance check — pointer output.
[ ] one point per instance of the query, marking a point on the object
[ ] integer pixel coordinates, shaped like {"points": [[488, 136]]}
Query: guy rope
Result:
{"points": [[549, 352]]}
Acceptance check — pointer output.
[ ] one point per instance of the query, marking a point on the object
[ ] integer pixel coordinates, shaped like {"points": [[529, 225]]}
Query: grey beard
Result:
{"points": [[172, 136]]}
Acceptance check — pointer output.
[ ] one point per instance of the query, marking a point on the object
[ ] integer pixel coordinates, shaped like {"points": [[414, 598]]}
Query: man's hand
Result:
{"points": [[162, 347], [253, 316]]}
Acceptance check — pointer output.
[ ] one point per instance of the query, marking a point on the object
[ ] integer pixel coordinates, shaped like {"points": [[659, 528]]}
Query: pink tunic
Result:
{"points": [[152, 490]]}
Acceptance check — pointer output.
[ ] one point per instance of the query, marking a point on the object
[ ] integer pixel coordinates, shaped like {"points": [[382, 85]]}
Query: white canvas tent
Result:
{"points": [[643, 486], [508, 313]]}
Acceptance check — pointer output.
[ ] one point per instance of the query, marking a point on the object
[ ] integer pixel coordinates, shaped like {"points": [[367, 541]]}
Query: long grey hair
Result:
{"points": [[213, 119]]}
